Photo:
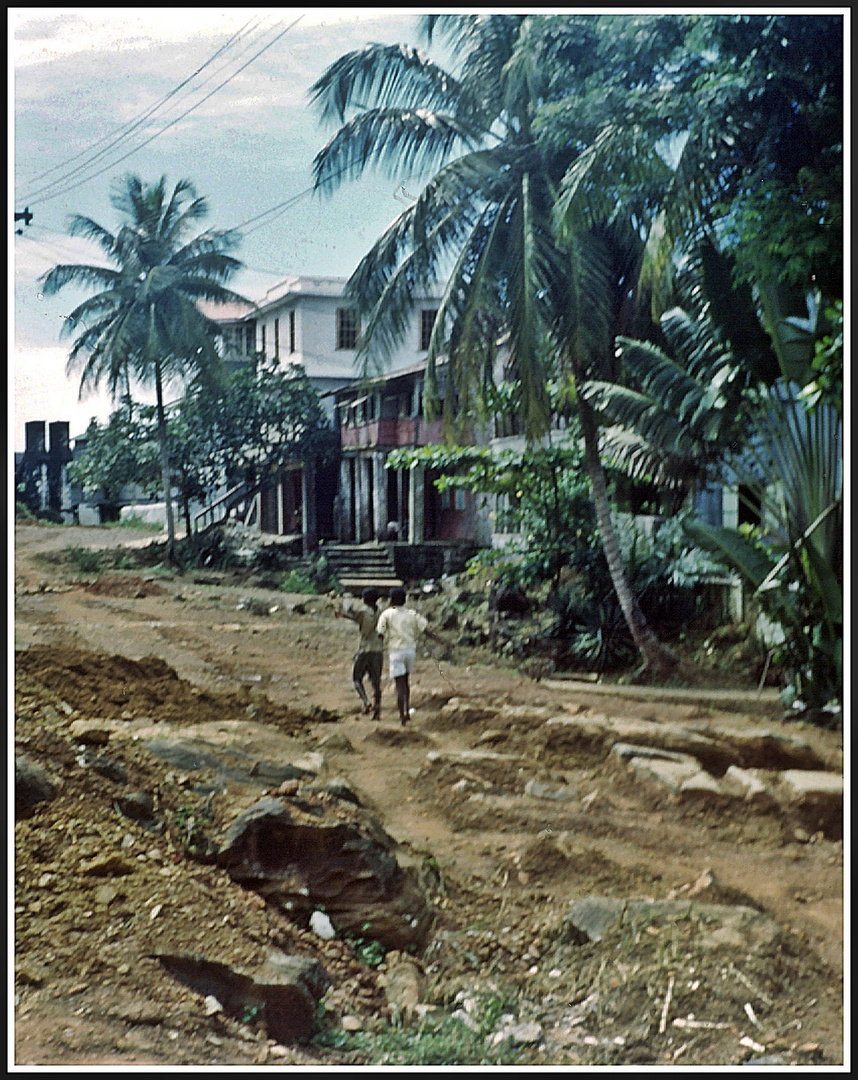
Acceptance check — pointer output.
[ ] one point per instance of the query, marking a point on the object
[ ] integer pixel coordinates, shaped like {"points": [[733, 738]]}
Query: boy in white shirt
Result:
{"points": [[401, 627]]}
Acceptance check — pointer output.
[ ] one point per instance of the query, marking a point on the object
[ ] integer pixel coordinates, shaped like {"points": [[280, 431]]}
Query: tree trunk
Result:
{"points": [[165, 464], [660, 660]]}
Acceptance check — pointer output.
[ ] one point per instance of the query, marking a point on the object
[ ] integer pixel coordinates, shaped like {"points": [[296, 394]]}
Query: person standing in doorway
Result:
{"points": [[369, 658], [401, 627]]}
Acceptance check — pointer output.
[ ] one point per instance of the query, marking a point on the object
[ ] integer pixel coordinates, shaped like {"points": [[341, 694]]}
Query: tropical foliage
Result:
{"points": [[710, 408], [143, 322], [486, 214], [257, 420]]}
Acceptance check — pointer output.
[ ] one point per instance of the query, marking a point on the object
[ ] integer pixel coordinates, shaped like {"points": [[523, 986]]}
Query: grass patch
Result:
{"points": [[296, 582], [436, 1040], [84, 560]]}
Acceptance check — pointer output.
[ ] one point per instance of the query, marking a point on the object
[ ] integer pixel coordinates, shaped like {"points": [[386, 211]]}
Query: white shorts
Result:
{"points": [[402, 662]]}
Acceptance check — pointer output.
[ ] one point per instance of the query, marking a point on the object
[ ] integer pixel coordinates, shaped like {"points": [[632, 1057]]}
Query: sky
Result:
{"points": [[87, 90]]}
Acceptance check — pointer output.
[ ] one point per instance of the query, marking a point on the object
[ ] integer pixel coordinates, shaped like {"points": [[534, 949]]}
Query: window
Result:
{"points": [[427, 321], [293, 337], [453, 499], [262, 341], [276, 339], [347, 328], [250, 338]]}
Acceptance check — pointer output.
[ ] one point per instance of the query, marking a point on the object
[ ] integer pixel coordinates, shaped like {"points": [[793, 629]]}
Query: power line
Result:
{"points": [[126, 129], [172, 123]]}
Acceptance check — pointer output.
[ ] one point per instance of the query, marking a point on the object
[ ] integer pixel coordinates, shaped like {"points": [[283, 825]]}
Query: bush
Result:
{"points": [[438, 1039], [85, 560]]}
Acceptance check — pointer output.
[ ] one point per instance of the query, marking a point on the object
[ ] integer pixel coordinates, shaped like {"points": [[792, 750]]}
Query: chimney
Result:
{"points": [[34, 437], [59, 435]]}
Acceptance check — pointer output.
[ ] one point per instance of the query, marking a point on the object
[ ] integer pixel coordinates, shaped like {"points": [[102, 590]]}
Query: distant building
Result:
{"points": [[308, 322], [376, 502], [41, 472]]}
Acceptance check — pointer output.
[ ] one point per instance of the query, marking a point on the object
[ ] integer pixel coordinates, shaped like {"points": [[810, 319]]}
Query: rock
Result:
{"points": [[342, 861], [404, 986], [749, 784], [397, 736], [490, 736], [104, 766], [341, 790], [591, 917], [337, 742], [138, 1012], [702, 787], [536, 789], [89, 732], [320, 924], [311, 764], [33, 785], [30, 973], [725, 924], [274, 773], [509, 600], [461, 712], [525, 1034], [285, 993], [669, 774], [351, 1023], [814, 800], [136, 805], [106, 866], [627, 751]]}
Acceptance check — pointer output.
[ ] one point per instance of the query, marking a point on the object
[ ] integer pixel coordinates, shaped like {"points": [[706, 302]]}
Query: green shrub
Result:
{"points": [[85, 560], [297, 582], [438, 1039]]}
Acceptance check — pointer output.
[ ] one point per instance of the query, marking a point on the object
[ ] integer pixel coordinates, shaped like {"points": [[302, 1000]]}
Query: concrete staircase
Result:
{"points": [[361, 566]]}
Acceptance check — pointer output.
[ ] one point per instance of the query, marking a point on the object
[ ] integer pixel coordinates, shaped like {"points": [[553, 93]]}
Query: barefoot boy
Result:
{"points": [[369, 656]]}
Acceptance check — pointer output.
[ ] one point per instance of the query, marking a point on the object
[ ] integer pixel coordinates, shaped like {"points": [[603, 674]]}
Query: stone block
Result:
{"points": [[669, 774], [702, 787]]}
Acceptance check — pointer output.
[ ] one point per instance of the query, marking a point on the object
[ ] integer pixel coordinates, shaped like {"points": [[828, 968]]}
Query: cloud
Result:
{"points": [[39, 38], [42, 392]]}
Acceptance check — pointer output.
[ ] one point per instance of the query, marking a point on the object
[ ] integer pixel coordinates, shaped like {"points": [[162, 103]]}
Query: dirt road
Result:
{"points": [[452, 790]]}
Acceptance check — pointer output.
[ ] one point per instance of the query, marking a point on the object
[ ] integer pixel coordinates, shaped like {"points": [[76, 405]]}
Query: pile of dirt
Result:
{"points": [[118, 688], [131, 586], [99, 895]]}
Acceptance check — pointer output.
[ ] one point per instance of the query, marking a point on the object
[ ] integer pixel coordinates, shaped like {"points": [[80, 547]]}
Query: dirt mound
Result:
{"points": [[132, 587], [118, 688]]}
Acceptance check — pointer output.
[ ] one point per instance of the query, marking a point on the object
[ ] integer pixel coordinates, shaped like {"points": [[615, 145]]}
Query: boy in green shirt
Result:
{"points": [[370, 653]]}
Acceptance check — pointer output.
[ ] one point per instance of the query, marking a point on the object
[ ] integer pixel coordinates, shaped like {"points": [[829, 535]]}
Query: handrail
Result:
{"points": [[226, 501]]}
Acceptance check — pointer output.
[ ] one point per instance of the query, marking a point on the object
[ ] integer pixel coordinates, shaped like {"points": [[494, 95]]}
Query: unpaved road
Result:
{"points": [[508, 863]]}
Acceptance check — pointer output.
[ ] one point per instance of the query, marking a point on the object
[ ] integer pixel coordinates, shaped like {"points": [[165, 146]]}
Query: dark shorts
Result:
{"points": [[368, 663]]}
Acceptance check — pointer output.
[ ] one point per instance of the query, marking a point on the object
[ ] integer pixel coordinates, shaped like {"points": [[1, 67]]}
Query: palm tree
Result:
{"points": [[144, 321], [487, 209], [723, 400]]}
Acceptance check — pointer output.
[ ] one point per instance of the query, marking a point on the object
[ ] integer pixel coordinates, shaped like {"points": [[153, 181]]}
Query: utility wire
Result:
{"points": [[47, 198], [62, 180], [124, 131]]}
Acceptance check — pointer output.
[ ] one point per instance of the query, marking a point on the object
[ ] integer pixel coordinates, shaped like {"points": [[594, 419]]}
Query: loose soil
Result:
{"points": [[266, 676]]}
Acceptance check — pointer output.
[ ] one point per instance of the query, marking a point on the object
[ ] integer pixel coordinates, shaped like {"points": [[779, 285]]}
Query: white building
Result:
{"points": [[308, 322]]}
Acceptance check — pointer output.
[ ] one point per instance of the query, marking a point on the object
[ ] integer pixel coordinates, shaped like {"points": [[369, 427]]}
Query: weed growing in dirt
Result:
{"points": [[296, 582], [438, 1039], [367, 950], [83, 559]]}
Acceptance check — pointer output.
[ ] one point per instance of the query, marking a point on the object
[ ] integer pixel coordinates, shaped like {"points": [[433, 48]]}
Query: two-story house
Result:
{"points": [[307, 321]]}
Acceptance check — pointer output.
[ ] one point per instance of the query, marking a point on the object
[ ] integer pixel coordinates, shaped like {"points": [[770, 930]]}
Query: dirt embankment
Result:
{"points": [[511, 819]]}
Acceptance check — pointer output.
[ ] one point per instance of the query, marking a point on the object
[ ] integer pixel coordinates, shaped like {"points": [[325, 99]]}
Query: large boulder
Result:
{"points": [[300, 855], [284, 993], [33, 785]]}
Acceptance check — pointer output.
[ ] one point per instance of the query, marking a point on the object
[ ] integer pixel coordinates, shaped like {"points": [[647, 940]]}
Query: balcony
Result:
{"points": [[404, 431]]}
